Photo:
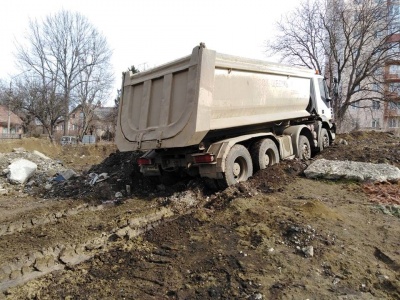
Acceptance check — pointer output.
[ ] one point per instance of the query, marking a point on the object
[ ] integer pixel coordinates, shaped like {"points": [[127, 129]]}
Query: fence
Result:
{"points": [[6, 136]]}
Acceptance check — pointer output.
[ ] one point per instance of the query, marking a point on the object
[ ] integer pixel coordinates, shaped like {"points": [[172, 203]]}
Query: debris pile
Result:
{"points": [[118, 176], [25, 171]]}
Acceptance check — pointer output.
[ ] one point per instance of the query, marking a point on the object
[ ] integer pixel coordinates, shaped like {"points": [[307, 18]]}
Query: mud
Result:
{"points": [[277, 236]]}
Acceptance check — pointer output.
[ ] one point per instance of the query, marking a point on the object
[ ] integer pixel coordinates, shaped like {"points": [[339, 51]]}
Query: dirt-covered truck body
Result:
{"points": [[222, 116]]}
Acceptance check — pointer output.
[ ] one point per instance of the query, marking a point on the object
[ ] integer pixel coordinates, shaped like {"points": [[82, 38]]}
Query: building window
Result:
{"points": [[394, 88], [393, 49], [392, 123], [375, 123], [394, 105], [376, 104], [394, 69], [393, 28], [353, 106], [375, 87]]}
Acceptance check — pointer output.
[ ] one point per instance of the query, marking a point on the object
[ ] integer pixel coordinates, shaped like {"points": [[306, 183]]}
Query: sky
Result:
{"points": [[148, 33]]}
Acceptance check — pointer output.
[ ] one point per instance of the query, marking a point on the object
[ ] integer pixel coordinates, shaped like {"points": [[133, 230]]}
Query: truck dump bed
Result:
{"points": [[177, 104]]}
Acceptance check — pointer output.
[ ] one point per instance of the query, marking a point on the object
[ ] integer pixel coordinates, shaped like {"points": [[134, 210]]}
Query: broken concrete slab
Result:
{"points": [[67, 174], [21, 170], [41, 155], [351, 170]]}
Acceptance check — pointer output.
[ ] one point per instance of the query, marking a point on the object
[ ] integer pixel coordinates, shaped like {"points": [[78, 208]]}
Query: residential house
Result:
{"points": [[101, 122], [9, 119], [104, 122]]}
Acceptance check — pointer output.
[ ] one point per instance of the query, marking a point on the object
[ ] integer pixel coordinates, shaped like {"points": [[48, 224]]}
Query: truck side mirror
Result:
{"points": [[335, 86]]}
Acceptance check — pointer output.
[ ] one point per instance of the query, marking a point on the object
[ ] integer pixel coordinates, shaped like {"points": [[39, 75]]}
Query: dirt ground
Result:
{"points": [[277, 236]]}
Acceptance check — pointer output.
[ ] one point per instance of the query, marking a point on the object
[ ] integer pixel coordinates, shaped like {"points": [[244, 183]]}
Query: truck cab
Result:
{"points": [[324, 100]]}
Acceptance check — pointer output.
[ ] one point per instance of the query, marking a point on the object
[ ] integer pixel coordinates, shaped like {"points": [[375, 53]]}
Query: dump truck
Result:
{"points": [[222, 117]]}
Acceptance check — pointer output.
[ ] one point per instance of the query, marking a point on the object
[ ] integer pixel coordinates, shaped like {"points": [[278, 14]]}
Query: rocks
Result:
{"points": [[67, 174], [308, 251], [256, 296], [351, 170], [393, 210], [41, 155]]}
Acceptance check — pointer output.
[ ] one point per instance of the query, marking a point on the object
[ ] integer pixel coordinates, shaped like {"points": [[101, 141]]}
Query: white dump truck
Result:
{"points": [[222, 117]]}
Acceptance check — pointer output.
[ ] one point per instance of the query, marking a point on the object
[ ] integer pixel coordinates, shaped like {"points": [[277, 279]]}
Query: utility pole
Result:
{"points": [[9, 110], [9, 102]]}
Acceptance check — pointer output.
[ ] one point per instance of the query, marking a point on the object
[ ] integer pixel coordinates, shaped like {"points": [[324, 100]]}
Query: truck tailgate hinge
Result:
{"points": [[159, 140], [139, 140]]}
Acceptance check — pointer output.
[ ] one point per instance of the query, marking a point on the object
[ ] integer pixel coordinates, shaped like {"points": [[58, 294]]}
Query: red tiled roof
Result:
{"points": [[14, 119]]}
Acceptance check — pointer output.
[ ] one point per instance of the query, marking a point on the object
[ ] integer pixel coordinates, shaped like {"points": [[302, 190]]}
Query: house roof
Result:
{"points": [[103, 113], [14, 119], [99, 113]]}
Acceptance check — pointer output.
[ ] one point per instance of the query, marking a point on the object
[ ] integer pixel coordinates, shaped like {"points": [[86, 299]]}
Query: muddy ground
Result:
{"points": [[277, 236]]}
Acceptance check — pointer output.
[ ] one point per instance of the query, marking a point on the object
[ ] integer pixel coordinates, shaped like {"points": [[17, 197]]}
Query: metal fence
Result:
{"points": [[6, 136]]}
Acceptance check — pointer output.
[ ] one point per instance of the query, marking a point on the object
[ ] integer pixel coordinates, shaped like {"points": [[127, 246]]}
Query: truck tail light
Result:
{"points": [[144, 161], [204, 158]]}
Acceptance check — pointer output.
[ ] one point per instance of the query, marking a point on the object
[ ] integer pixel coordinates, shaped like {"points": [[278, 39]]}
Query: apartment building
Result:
{"points": [[383, 114]]}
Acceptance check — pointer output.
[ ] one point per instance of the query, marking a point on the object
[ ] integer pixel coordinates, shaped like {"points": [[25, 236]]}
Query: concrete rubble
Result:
{"points": [[22, 170], [351, 170]]}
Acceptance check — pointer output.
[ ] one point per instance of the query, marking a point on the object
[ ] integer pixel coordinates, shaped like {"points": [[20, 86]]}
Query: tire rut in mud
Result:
{"points": [[67, 240]]}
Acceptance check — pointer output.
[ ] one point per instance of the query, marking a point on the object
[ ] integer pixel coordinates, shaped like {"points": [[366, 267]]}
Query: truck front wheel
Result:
{"points": [[264, 154], [238, 165], [304, 148]]}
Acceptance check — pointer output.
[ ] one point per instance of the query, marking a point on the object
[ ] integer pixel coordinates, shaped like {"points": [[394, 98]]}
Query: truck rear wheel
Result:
{"points": [[264, 153], [304, 148], [238, 165], [324, 139]]}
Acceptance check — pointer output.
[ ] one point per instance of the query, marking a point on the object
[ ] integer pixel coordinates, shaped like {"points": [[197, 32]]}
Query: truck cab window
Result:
{"points": [[323, 89]]}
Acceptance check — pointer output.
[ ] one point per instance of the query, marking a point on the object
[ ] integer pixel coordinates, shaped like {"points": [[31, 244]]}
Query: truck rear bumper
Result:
{"points": [[152, 170]]}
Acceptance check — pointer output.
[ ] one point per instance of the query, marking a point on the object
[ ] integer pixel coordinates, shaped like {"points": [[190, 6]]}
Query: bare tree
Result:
{"points": [[59, 51], [347, 40], [94, 87], [301, 37], [37, 102], [3, 94]]}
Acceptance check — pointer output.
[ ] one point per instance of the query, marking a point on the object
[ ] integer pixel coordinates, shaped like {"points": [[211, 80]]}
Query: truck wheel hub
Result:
{"points": [[266, 159], [236, 169]]}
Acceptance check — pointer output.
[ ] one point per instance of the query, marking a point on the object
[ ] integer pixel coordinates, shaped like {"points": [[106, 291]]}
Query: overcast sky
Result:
{"points": [[147, 33]]}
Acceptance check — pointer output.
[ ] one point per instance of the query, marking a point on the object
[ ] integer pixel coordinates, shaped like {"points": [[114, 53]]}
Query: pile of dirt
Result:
{"points": [[122, 179], [124, 176], [372, 146]]}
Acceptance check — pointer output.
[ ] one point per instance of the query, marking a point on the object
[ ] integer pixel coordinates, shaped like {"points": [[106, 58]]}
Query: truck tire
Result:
{"points": [[168, 178], [324, 139], [304, 148], [238, 166], [264, 153]]}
